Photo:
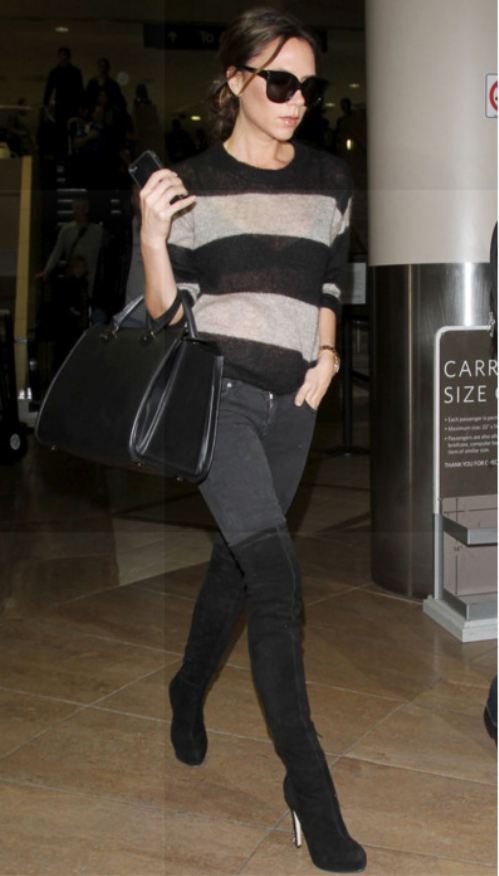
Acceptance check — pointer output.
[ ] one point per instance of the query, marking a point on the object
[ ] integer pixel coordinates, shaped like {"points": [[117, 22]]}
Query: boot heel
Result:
{"points": [[296, 829]]}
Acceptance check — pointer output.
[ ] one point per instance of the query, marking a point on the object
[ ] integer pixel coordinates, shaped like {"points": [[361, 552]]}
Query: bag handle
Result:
{"points": [[154, 326], [182, 299]]}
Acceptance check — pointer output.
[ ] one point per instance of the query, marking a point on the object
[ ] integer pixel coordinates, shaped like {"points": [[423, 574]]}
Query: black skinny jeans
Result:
{"points": [[261, 450]]}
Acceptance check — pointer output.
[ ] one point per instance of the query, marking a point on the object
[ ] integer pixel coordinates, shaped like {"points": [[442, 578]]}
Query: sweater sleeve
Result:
{"points": [[339, 245], [181, 251]]}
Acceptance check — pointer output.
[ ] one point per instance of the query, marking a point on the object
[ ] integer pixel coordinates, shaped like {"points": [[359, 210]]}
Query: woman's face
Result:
{"points": [[276, 120]]}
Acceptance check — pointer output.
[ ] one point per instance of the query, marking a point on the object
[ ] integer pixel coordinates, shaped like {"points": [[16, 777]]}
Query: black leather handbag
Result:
{"points": [[138, 393]]}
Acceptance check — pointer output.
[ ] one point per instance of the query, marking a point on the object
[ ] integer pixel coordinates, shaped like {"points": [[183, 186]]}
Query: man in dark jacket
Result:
{"points": [[64, 87]]}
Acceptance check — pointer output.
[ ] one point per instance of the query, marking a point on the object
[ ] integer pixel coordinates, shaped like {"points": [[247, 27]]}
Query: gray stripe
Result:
{"points": [[331, 289], [182, 230], [311, 217], [261, 316]]}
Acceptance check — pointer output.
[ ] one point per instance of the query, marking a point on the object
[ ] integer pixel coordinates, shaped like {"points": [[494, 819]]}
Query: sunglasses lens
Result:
{"points": [[313, 90], [281, 86]]}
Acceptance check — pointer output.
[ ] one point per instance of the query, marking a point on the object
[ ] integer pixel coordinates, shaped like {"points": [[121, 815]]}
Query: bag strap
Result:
{"points": [[155, 326], [183, 299]]}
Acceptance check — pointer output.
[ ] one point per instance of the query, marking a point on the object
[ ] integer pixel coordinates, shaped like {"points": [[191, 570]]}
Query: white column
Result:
{"points": [[432, 150]]}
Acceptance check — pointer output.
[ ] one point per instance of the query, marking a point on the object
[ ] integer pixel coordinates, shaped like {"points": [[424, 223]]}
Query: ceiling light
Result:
{"points": [[62, 29], [354, 85], [195, 118], [329, 105]]}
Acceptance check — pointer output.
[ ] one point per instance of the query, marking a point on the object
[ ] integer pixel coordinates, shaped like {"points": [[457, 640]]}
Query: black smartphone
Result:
{"points": [[141, 169]]}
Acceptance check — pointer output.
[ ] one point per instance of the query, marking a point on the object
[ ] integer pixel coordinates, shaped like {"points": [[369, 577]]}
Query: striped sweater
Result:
{"points": [[260, 252]]}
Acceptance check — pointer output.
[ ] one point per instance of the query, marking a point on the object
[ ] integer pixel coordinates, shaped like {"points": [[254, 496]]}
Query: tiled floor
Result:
{"points": [[99, 576]]}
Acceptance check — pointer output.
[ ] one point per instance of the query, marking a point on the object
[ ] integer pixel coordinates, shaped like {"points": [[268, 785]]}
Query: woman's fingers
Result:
{"points": [[157, 178], [182, 204], [164, 193]]}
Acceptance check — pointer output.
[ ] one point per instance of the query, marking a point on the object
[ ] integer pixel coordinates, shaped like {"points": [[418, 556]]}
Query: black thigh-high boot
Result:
{"points": [[219, 604], [273, 585]]}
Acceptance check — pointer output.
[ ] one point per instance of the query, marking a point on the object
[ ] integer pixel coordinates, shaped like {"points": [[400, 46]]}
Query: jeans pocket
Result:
{"points": [[310, 408]]}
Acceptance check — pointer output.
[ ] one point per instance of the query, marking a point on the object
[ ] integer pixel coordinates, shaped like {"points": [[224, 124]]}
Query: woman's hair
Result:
{"points": [[246, 36]]}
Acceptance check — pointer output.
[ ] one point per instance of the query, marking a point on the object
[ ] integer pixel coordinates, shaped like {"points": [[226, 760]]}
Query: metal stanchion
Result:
{"points": [[352, 314]]}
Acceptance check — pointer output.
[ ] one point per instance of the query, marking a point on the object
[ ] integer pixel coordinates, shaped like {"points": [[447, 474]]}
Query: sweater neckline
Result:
{"points": [[250, 171]]}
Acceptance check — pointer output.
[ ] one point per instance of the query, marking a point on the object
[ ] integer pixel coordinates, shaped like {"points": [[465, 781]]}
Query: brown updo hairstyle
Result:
{"points": [[246, 36]]}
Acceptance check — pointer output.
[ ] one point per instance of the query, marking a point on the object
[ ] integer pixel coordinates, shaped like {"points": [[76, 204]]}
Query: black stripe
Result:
{"points": [[287, 266], [272, 368]]}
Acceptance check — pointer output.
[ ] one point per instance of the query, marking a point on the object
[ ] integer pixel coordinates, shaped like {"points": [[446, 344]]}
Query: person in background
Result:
{"points": [[120, 273], [147, 130], [103, 82], [78, 237], [257, 233], [63, 91], [179, 143], [70, 307]]}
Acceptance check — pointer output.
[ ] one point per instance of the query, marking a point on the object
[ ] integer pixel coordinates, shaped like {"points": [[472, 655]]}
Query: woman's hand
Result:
{"points": [[157, 210], [317, 380]]}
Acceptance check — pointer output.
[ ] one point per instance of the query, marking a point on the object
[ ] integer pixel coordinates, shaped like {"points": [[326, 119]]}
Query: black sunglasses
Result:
{"points": [[282, 85]]}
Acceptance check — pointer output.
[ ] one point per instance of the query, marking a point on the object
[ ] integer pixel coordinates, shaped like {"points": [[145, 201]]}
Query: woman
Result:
{"points": [[257, 231]]}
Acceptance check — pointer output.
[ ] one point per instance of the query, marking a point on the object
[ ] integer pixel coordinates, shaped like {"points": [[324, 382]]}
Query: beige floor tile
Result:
{"points": [[184, 582], [61, 834], [131, 492], [332, 471], [313, 510], [129, 758], [23, 716], [145, 698], [96, 752], [277, 855], [129, 614], [370, 666], [59, 662], [173, 549], [232, 705], [487, 661], [341, 553], [187, 581], [447, 697], [57, 543], [57, 487], [196, 846], [382, 862], [418, 812], [367, 615], [380, 666], [316, 588], [131, 534], [31, 584], [241, 779], [447, 743], [341, 717]]}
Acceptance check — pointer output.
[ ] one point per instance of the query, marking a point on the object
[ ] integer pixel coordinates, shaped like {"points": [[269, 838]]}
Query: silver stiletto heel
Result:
{"points": [[296, 829]]}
